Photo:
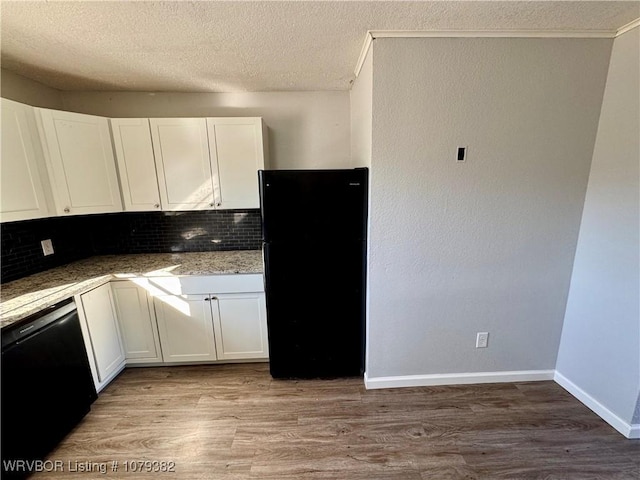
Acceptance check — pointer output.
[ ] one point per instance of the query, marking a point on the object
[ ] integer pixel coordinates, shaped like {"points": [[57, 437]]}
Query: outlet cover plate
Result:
{"points": [[47, 247]]}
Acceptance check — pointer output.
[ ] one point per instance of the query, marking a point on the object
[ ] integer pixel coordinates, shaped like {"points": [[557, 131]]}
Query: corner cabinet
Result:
{"points": [[22, 169], [208, 163], [101, 331], [137, 321], [80, 162]]}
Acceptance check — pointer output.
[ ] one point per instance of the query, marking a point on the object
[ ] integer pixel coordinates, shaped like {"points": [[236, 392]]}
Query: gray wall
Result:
{"points": [[600, 347], [306, 129], [23, 90], [486, 245]]}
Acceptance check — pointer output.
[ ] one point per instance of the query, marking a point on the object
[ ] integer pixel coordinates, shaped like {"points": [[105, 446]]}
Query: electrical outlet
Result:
{"points": [[47, 247], [482, 340]]}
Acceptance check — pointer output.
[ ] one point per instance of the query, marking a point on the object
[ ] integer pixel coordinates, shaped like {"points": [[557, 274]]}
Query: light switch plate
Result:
{"points": [[482, 340]]}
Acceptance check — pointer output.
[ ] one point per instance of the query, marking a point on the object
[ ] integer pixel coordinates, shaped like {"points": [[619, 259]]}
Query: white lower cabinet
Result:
{"points": [[137, 319], [208, 327], [102, 334], [142, 322], [185, 324], [241, 326]]}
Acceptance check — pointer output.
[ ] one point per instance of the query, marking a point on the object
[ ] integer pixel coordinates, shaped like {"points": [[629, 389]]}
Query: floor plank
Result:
{"points": [[235, 422]]}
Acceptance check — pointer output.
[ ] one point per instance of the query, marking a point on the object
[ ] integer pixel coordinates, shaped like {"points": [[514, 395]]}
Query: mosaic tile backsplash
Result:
{"points": [[80, 237]]}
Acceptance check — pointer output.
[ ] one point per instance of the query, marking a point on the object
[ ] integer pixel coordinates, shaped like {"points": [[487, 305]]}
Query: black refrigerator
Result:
{"points": [[314, 226]]}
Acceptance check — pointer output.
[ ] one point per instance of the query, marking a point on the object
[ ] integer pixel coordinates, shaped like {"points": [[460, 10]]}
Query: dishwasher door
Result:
{"points": [[47, 387]]}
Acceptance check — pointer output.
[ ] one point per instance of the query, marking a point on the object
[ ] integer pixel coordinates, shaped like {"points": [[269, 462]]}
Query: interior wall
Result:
{"points": [[306, 129], [24, 90], [485, 245], [600, 347]]}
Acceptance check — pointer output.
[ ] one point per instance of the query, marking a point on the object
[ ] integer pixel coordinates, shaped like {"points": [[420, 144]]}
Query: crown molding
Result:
{"points": [[628, 26], [368, 38], [373, 34], [493, 33]]}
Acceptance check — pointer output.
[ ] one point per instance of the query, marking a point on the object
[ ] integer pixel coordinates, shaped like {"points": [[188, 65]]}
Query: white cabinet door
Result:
{"points": [[137, 320], [21, 195], [80, 162], [104, 334], [241, 326], [136, 164], [185, 325], [182, 160], [237, 153]]}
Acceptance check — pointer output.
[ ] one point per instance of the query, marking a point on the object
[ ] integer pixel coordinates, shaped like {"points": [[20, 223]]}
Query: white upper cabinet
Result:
{"points": [[63, 163], [80, 161], [21, 190], [182, 161], [136, 164], [237, 153], [208, 163]]}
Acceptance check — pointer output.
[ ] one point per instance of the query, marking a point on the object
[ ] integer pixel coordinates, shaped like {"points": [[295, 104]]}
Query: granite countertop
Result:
{"points": [[23, 297]]}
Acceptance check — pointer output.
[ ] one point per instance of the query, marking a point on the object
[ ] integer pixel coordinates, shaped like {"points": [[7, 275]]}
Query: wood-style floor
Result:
{"points": [[236, 422]]}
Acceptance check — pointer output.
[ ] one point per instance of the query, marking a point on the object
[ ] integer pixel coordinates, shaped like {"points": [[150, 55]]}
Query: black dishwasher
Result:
{"points": [[46, 382]]}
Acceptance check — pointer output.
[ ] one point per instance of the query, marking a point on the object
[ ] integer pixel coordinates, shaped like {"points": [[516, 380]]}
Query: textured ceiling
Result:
{"points": [[218, 46]]}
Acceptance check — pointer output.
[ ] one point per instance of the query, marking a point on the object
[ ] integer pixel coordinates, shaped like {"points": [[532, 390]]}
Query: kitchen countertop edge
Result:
{"points": [[122, 267]]}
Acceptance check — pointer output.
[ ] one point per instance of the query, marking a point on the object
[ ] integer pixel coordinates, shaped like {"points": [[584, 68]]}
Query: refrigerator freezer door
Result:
{"points": [[315, 206]]}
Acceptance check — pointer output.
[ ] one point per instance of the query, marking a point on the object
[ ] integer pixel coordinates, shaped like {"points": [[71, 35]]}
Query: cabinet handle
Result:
{"points": [[211, 204], [214, 298], [218, 204], [67, 209], [207, 299], [157, 205]]}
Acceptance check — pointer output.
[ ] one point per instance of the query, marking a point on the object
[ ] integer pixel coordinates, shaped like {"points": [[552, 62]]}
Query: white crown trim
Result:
{"points": [[628, 26], [373, 34]]}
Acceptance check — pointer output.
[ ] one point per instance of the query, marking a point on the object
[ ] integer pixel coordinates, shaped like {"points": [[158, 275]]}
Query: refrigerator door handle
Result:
{"points": [[265, 262]]}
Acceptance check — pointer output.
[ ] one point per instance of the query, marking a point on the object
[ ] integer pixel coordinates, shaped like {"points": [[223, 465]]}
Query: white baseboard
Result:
{"points": [[457, 378], [626, 429]]}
